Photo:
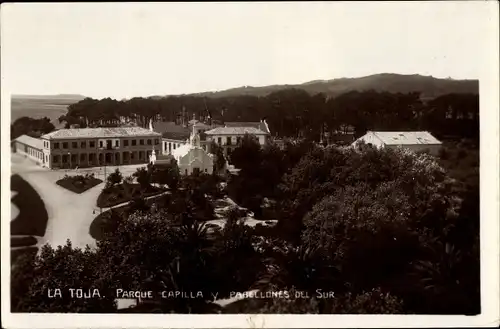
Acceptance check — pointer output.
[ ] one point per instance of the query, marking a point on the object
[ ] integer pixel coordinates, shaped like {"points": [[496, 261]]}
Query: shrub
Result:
{"points": [[444, 154], [114, 178]]}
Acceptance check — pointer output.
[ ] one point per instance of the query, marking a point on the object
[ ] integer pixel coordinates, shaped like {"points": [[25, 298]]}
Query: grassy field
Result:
{"points": [[33, 217], [41, 106]]}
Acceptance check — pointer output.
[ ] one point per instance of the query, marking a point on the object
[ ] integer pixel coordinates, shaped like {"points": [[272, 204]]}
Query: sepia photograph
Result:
{"points": [[241, 161]]}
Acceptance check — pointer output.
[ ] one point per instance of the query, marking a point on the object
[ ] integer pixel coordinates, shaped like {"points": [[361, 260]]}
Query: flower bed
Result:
{"points": [[78, 183]]}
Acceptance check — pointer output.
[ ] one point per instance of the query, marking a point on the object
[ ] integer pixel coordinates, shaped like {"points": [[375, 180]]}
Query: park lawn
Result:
{"points": [[22, 241], [33, 217], [78, 184], [117, 194]]}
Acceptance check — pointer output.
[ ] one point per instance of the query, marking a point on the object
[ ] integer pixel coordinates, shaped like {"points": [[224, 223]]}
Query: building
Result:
{"points": [[87, 147], [175, 135], [413, 140], [30, 147], [192, 158], [230, 137]]}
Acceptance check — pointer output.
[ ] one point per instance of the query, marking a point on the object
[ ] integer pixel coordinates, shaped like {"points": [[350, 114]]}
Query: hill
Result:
{"points": [[429, 86], [39, 106]]}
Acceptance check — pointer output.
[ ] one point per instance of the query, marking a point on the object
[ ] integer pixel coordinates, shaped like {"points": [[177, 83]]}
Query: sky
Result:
{"points": [[131, 49]]}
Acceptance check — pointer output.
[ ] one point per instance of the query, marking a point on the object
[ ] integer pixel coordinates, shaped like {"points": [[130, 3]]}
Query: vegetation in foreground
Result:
{"points": [[342, 213]]}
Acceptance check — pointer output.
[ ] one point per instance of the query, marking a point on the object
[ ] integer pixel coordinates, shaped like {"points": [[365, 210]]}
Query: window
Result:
{"points": [[174, 146], [150, 142], [65, 145], [55, 158], [141, 142], [219, 140], [56, 145], [140, 155], [26, 149], [65, 158], [157, 141], [125, 142], [82, 157], [83, 145], [132, 155], [92, 144], [134, 142], [228, 140], [74, 145], [238, 139], [117, 143], [100, 144]]}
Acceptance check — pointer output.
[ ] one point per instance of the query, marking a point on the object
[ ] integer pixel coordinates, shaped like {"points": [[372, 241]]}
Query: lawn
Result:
{"points": [[119, 194], [33, 217], [78, 183]]}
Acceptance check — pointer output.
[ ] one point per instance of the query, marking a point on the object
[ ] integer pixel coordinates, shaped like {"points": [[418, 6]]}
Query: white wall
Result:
{"points": [[32, 153], [195, 158], [234, 139]]}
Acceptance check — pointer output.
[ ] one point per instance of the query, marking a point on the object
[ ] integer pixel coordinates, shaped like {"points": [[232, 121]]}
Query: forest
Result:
{"points": [[296, 113]]}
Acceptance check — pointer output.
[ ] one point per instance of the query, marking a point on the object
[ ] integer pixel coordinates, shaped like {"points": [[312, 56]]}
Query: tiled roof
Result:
{"points": [[180, 136], [406, 137], [259, 125], [169, 126], [30, 141], [235, 131], [242, 124], [100, 133]]}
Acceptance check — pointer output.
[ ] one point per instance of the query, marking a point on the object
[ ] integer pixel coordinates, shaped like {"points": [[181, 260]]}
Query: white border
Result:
{"points": [[489, 119]]}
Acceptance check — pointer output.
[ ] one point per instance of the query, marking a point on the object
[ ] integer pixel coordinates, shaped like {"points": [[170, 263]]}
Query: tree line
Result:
{"points": [[296, 113]]}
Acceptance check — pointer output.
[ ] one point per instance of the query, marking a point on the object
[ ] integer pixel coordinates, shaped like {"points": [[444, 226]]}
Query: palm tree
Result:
{"points": [[449, 279], [301, 267]]}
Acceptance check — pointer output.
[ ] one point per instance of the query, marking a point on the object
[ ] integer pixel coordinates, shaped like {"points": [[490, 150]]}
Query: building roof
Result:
{"points": [[405, 137], [30, 141], [100, 133], [179, 136], [235, 131], [169, 126], [262, 125], [201, 125], [182, 151]]}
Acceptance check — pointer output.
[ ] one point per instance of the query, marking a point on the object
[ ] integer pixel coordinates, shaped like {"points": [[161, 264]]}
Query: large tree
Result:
{"points": [[31, 127], [56, 274]]}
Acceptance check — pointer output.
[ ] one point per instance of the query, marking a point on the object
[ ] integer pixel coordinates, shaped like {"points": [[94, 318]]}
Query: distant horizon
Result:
{"points": [[242, 86]]}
